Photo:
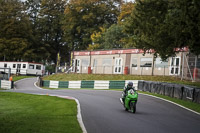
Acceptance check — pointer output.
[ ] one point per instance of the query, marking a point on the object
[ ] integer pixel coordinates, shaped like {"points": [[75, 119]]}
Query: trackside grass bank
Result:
{"points": [[16, 78], [26, 113], [70, 77]]}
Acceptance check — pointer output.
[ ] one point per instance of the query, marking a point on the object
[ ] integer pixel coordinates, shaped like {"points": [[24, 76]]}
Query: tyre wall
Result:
{"points": [[178, 91]]}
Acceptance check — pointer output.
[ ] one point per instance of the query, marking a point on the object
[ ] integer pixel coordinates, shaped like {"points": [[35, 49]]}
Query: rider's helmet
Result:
{"points": [[130, 84]]}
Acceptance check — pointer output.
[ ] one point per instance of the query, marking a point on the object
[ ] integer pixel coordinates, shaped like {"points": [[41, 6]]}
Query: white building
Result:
{"points": [[23, 68]]}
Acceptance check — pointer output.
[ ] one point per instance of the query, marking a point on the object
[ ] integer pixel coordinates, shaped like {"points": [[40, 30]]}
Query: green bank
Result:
{"points": [[26, 113]]}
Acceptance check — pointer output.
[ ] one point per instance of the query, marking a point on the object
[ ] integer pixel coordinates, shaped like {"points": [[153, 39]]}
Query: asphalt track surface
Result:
{"points": [[102, 112]]}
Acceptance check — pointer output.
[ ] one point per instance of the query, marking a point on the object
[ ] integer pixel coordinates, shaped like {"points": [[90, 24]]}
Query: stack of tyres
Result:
{"points": [[169, 90], [188, 93], [154, 87], [140, 85], [178, 91], [146, 86], [196, 95]]}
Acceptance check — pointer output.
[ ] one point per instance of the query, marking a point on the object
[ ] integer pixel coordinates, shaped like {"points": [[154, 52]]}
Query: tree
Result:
{"points": [[40, 51], [15, 31], [113, 37], [84, 17], [164, 25], [183, 21], [50, 26], [147, 28]]}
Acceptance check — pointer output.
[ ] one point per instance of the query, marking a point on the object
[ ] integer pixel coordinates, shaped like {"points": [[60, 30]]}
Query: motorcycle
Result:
{"points": [[130, 100]]}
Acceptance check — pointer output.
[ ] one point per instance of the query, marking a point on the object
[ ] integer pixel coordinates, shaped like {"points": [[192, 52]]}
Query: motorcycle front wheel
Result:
{"points": [[133, 107]]}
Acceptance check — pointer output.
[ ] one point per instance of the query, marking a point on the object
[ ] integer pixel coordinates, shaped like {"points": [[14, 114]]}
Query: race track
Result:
{"points": [[102, 112]]}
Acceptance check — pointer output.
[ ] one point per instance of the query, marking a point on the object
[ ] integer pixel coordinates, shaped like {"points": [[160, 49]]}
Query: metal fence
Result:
{"points": [[182, 71], [5, 73]]}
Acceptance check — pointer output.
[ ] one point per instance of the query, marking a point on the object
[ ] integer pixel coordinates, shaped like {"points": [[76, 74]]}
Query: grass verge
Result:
{"points": [[26, 113], [15, 78]]}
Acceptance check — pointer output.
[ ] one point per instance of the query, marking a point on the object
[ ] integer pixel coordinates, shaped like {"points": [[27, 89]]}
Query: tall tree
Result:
{"points": [[147, 27], [84, 17], [15, 31], [50, 18], [183, 21]]}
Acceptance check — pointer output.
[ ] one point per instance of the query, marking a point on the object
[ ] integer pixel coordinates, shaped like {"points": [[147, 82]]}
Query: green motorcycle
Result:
{"points": [[130, 100]]}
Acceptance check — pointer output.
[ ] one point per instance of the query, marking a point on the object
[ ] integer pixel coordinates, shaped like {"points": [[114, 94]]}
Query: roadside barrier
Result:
{"points": [[183, 92], [5, 84], [178, 91], [94, 84]]}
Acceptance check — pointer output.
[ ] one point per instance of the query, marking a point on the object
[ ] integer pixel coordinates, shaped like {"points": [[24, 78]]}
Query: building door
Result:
{"points": [[18, 68], [175, 66], [76, 65], [118, 66]]}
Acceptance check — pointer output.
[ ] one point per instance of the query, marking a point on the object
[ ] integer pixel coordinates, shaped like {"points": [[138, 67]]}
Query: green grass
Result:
{"points": [[15, 78], [26, 113], [70, 77]]}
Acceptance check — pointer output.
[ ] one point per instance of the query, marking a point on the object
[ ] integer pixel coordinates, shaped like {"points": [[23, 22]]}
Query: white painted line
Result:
{"points": [[172, 103]]}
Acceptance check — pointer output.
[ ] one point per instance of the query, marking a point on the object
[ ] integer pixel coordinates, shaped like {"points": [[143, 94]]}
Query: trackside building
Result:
{"points": [[133, 61]]}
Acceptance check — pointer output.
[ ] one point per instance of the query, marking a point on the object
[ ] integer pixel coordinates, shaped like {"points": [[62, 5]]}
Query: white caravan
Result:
{"points": [[23, 68]]}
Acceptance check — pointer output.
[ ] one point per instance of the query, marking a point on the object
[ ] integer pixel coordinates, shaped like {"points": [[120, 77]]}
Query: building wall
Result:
{"points": [[137, 63]]}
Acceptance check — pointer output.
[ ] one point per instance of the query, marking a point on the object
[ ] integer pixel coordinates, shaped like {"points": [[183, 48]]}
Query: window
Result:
{"points": [[85, 62], [14, 65], [38, 67], [161, 64], [24, 65], [5, 65], [31, 66], [146, 62], [107, 62], [134, 62]]}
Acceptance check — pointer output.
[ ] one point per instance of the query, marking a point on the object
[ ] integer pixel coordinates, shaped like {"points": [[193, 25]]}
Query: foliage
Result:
{"points": [[84, 17], [50, 19], [113, 37], [15, 31], [164, 25]]}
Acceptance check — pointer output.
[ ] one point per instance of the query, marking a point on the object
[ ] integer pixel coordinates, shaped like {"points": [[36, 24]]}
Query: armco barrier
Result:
{"points": [[74, 84], [172, 90], [116, 84], [53, 84], [5, 84], [87, 84], [46, 83], [100, 84], [63, 84]]}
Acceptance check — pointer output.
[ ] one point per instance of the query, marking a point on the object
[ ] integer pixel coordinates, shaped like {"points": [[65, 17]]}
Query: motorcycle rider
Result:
{"points": [[126, 89]]}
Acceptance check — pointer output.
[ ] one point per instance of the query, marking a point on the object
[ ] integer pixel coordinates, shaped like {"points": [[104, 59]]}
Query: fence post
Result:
{"points": [[182, 67]]}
